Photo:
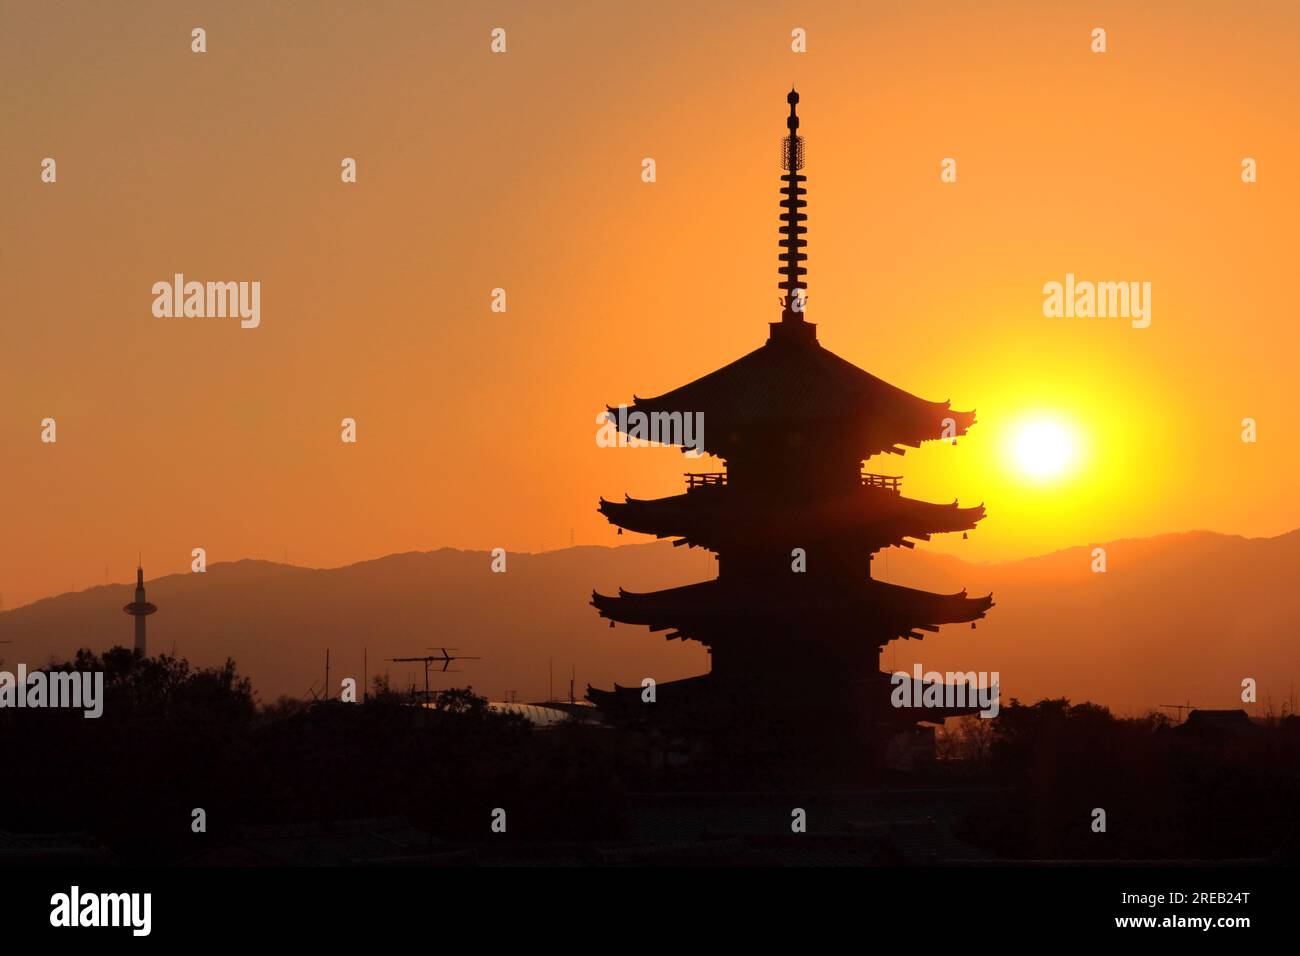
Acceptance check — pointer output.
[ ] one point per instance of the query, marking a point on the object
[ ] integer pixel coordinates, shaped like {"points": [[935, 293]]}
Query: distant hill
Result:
{"points": [[1174, 618]]}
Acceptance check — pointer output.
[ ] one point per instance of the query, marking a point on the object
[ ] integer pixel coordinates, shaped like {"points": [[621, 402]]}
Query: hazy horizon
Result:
{"points": [[1155, 629], [924, 547]]}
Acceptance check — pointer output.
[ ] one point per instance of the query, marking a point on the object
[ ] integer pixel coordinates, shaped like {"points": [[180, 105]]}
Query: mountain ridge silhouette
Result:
{"points": [[1175, 617]]}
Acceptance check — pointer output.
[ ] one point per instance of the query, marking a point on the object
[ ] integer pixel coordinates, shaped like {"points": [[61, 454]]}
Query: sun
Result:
{"points": [[1043, 449]]}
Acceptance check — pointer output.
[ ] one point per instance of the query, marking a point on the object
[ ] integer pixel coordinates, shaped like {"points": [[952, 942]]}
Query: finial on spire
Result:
{"points": [[793, 229]]}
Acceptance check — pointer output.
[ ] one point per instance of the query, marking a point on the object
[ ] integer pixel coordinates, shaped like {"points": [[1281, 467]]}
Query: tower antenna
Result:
{"points": [[139, 609]]}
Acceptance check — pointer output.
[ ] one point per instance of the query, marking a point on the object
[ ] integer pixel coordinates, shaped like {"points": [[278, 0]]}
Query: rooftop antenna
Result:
{"points": [[448, 658], [431, 658], [572, 677], [327, 673], [1180, 708]]}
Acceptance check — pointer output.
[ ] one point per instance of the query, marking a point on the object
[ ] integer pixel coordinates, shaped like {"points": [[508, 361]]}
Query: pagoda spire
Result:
{"points": [[793, 285], [793, 423]]}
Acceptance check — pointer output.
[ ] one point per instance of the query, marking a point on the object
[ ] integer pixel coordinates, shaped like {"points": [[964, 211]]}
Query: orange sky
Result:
{"points": [[522, 170]]}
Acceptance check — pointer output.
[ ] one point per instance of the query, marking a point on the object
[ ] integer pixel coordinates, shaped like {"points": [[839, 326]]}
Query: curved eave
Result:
{"points": [[795, 386], [700, 517], [916, 690], [687, 689], [880, 431], [933, 425], [902, 609]]}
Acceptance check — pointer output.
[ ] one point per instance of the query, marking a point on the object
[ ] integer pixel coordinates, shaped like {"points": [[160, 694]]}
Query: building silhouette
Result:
{"points": [[794, 622], [139, 609]]}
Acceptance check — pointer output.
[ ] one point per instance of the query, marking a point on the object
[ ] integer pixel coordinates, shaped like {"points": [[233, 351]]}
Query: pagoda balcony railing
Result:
{"points": [[704, 479], [869, 480], [888, 482]]}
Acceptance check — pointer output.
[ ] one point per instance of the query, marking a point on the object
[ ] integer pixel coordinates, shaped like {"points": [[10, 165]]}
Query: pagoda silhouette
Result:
{"points": [[794, 622]]}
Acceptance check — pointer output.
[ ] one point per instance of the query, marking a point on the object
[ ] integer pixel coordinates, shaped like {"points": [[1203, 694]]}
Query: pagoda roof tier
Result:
{"points": [[688, 690], [714, 515], [696, 610], [789, 384], [700, 692]]}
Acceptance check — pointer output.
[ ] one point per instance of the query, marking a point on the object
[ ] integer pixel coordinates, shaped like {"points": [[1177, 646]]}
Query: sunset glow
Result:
{"points": [[441, 439], [1044, 449], [389, 322]]}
